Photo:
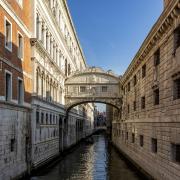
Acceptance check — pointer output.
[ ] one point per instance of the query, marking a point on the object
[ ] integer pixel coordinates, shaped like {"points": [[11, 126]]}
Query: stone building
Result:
{"points": [[39, 50], [147, 130], [56, 54], [15, 87]]}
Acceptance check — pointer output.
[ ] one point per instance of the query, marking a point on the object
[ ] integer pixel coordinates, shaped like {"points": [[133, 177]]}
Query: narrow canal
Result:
{"points": [[98, 161]]}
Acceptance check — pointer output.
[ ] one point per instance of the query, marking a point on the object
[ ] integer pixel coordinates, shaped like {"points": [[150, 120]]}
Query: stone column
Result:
{"points": [[51, 47], [57, 56], [44, 29], [39, 28], [54, 52]]}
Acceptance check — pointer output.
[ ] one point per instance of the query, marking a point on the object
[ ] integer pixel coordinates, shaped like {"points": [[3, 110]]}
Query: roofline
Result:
{"points": [[74, 31]]}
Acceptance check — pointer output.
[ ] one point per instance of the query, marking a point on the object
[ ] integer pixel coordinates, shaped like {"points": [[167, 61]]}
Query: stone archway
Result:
{"points": [[93, 85]]}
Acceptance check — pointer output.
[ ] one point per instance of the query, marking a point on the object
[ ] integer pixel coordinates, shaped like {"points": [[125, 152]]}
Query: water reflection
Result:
{"points": [[90, 162]]}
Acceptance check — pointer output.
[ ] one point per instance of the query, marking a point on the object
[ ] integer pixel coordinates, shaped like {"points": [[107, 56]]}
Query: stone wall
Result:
{"points": [[149, 128], [14, 141]]}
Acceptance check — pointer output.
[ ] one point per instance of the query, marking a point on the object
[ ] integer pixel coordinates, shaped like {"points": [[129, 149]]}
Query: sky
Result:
{"points": [[111, 31]]}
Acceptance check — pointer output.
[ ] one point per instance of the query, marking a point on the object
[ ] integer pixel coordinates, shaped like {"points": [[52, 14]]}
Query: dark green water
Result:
{"points": [[98, 161]]}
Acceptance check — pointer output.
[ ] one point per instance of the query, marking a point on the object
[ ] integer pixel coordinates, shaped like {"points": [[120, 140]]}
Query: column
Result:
{"points": [[51, 47], [54, 52], [57, 56], [39, 28], [44, 34]]}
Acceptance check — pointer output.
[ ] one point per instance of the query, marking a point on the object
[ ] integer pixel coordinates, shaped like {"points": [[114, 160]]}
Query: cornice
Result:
{"points": [[74, 30], [170, 13]]}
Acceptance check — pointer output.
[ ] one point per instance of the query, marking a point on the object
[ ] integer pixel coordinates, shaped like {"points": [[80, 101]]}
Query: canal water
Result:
{"points": [[98, 161]]}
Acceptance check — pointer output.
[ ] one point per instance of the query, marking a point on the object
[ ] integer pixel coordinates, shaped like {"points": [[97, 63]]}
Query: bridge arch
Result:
{"points": [[93, 85]]}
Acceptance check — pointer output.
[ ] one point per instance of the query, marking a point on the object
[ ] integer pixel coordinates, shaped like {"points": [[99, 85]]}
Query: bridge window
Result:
{"points": [[82, 88], [177, 89], [175, 148], [154, 145], [104, 88], [143, 102], [141, 140], [144, 71]]}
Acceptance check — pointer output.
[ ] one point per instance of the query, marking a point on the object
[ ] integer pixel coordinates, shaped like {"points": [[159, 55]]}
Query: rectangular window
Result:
{"points": [[133, 138], [20, 46], [177, 89], [141, 140], [126, 135], [8, 35], [82, 88], [175, 148], [176, 38], [135, 80], [134, 104], [42, 118], [12, 145], [143, 102], [154, 145], [143, 70], [129, 86], [104, 88], [157, 58], [20, 92], [37, 117], [128, 108], [156, 97], [8, 86]]}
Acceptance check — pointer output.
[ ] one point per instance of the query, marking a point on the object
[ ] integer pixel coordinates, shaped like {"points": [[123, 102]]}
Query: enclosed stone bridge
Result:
{"points": [[93, 85]]}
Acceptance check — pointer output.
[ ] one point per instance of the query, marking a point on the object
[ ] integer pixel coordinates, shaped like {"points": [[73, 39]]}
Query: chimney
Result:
{"points": [[166, 2]]}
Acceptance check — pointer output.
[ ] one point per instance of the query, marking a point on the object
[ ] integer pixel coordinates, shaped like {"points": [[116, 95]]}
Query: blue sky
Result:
{"points": [[112, 31]]}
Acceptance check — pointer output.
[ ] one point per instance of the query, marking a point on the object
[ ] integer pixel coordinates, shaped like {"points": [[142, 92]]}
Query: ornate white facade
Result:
{"points": [[56, 53]]}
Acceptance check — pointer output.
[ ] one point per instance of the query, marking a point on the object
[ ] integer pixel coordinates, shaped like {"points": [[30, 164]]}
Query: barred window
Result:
{"points": [[143, 102], [143, 70], [177, 89], [133, 138], [104, 88], [12, 145], [175, 150], [176, 38], [157, 58], [154, 145], [128, 108], [82, 88], [37, 117], [135, 80], [129, 86], [141, 140], [156, 97], [134, 103]]}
